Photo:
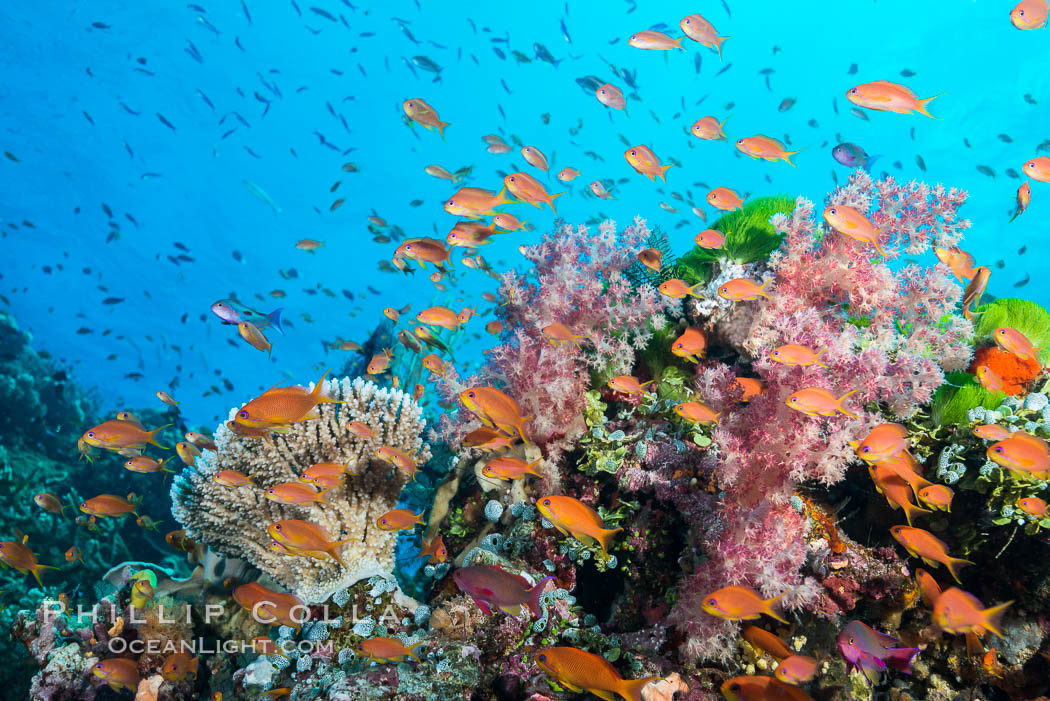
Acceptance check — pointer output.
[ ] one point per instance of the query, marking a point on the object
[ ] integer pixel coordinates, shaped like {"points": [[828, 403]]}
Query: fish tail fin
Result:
{"points": [[718, 42], [922, 106], [411, 650], [875, 243], [692, 289], [318, 392], [663, 171], [911, 510], [37, 567], [871, 159], [153, 436], [678, 43], [324, 494], [954, 564], [274, 318], [770, 608], [605, 538], [441, 127], [534, 596], [501, 198], [816, 358], [165, 462], [900, 658], [789, 154], [762, 287], [550, 200], [632, 688], [531, 469], [838, 404], [992, 618]]}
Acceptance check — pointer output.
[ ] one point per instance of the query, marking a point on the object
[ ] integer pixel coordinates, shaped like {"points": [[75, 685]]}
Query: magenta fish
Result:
{"points": [[871, 652], [492, 587], [233, 312]]}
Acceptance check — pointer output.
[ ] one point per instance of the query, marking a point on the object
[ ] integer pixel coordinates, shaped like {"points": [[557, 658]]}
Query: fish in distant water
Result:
{"points": [[700, 30], [654, 41], [889, 97], [233, 312], [852, 156]]}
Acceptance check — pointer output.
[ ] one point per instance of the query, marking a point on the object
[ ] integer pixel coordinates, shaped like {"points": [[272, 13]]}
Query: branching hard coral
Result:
{"points": [[823, 285], [234, 520]]}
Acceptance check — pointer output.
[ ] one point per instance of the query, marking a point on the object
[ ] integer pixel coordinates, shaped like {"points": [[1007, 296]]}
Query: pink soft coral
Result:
{"points": [[889, 336]]}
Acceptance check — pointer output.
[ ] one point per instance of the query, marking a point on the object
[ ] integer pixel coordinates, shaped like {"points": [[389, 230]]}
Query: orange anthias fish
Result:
{"points": [[1022, 452], [492, 587], [765, 641], [232, 478], [697, 412], [990, 663], [817, 401], [896, 491], [1013, 341], [957, 611], [475, 203], [907, 468], [119, 673], [750, 386], [271, 607], [106, 505], [627, 384], [386, 649], [308, 245], [961, 262], [419, 111], [528, 189], [888, 97], [797, 669], [510, 222], [991, 432], [989, 379], [201, 441], [765, 148], [573, 517], [850, 222], [598, 188], [710, 239], [560, 333], [423, 250], [756, 688], [1024, 198], [1038, 169], [440, 316], [283, 405], [931, 549], [578, 670], [691, 345], [296, 493], [359, 428], [49, 502], [643, 160], [435, 550], [534, 157], [380, 362], [306, 536], [119, 435], [709, 129], [1033, 506], [651, 258], [178, 666], [508, 468], [254, 337], [792, 354], [740, 604], [468, 234], [882, 443], [1030, 14], [567, 175], [928, 586], [654, 41], [144, 464], [324, 474], [937, 496], [399, 520], [187, 452], [17, 555], [677, 289], [743, 290], [610, 96], [398, 459], [495, 409], [725, 199], [700, 30]]}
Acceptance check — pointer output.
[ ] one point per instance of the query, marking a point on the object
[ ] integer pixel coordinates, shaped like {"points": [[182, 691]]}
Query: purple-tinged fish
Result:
{"points": [[871, 652], [233, 312], [853, 156], [492, 587]]}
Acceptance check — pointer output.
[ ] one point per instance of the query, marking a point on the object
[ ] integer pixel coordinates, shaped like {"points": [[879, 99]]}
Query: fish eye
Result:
{"points": [[277, 526], [546, 502], [633, 152], [832, 211], [866, 449], [512, 178], [853, 91], [542, 658], [851, 641], [242, 414], [91, 434]]}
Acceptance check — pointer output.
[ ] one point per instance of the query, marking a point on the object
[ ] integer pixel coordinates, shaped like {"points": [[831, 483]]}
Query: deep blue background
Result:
{"points": [[969, 51]]}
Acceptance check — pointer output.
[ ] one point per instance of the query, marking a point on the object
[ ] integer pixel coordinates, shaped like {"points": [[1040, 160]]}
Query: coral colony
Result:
{"points": [[793, 466]]}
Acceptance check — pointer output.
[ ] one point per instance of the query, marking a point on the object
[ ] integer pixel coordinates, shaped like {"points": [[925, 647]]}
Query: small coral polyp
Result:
{"points": [[234, 520]]}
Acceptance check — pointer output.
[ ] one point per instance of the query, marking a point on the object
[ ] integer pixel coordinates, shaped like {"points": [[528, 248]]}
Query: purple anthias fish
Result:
{"points": [[233, 312], [853, 156], [492, 587], [871, 652]]}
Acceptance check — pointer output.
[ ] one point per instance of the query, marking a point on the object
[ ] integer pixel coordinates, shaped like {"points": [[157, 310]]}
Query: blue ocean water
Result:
{"points": [[283, 94]]}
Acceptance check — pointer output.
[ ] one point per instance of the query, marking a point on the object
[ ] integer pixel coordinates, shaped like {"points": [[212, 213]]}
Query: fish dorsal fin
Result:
{"points": [[1028, 438]]}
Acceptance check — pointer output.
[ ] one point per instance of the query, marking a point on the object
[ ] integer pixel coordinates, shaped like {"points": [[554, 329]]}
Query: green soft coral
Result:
{"points": [[1021, 314], [749, 236]]}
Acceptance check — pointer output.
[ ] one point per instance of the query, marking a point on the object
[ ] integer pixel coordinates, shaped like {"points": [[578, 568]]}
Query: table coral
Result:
{"points": [[233, 521]]}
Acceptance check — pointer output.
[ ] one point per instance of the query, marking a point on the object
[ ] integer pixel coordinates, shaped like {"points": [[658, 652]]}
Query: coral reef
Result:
{"points": [[234, 520]]}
